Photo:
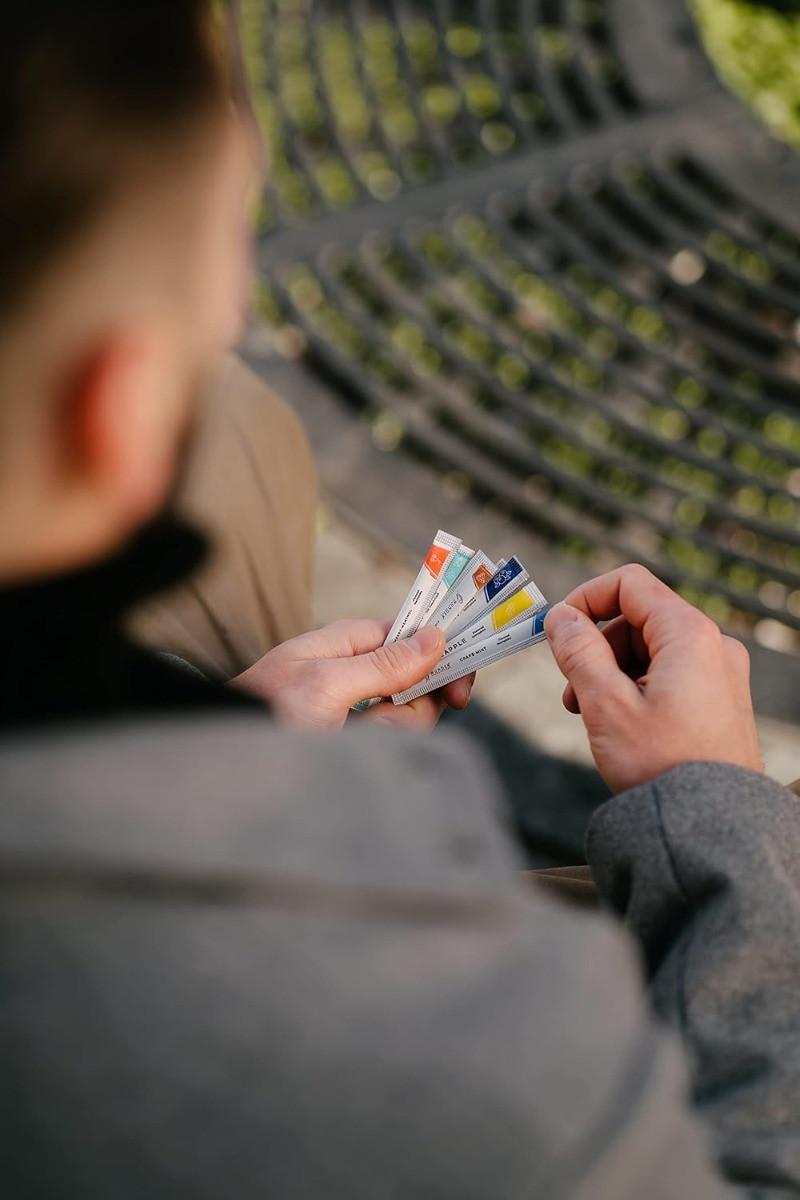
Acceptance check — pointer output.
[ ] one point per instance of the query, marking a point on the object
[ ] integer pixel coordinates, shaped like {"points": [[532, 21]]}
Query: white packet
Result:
{"points": [[469, 583], [414, 607], [418, 601], [524, 603], [449, 577], [472, 657], [506, 580]]}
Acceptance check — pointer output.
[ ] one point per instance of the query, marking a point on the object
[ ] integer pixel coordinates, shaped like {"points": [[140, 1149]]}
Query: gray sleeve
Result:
{"points": [[196, 1040], [704, 866], [240, 962]]}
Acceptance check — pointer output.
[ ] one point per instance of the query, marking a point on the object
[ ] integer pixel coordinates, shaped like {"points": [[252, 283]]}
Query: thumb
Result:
{"points": [[584, 656], [392, 668]]}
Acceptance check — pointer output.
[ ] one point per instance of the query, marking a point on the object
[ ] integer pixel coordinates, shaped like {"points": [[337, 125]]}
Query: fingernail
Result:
{"points": [[560, 616], [427, 640]]}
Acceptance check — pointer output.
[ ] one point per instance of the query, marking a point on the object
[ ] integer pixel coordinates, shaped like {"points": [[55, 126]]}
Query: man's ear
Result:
{"points": [[124, 416]]}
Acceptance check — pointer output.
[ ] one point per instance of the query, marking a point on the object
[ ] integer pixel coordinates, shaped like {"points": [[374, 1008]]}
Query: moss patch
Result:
{"points": [[757, 54]]}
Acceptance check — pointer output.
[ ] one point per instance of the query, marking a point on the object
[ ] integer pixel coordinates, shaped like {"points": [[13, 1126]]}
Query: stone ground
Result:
{"points": [[355, 577]]}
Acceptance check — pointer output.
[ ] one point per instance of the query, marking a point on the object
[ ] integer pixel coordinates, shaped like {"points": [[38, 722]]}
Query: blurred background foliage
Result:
{"points": [[754, 47], [756, 51]]}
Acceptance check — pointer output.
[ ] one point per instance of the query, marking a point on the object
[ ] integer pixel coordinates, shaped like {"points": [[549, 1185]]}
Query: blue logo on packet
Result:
{"points": [[502, 578], [538, 620]]}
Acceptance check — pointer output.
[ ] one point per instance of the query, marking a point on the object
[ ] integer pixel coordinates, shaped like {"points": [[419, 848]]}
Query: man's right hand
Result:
{"points": [[659, 686]]}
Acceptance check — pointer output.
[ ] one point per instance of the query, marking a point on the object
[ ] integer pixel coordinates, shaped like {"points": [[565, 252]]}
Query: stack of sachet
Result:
{"points": [[486, 610]]}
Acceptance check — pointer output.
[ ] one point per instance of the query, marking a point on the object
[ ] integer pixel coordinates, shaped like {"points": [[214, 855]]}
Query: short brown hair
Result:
{"points": [[85, 86]]}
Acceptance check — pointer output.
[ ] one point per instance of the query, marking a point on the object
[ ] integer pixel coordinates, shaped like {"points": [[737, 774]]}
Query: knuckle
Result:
{"points": [[572, 653], [606, 709], [636, 573], [390, 660], [701, 626], [711, 631], [737, 651], [616, 701], [317, 677], [692, 620]]}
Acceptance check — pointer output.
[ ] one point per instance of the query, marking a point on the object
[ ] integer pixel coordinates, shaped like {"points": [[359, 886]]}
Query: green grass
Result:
{"points": [[757, 54]]}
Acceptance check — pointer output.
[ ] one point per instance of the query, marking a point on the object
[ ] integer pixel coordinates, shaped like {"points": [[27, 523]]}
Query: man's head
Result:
{"points": [[124, 171]]}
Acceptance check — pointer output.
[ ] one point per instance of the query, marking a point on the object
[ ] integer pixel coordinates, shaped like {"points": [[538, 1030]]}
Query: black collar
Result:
{"points": [[64, 656]]}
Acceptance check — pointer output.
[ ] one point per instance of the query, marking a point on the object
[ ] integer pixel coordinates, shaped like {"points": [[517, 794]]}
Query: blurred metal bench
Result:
{"points": [[527, 263]]}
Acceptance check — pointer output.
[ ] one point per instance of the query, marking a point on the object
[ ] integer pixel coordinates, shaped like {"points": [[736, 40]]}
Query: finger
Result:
{"points": [[387, 669], [418, 716], [457, 695], [627, 644], [342, 639], [635, 593], [586, 659]]}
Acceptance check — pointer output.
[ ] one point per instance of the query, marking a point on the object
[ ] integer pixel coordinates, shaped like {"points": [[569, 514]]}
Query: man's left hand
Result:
{"points": [[312, 681]]}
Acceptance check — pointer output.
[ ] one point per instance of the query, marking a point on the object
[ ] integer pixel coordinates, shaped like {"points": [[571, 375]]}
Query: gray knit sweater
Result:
{"points": [[242, 963]]}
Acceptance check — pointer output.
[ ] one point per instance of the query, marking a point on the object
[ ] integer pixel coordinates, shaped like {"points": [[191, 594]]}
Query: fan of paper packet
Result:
{"points": [[486, 610]]}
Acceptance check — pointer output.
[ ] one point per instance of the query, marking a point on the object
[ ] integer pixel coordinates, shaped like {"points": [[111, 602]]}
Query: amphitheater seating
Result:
{"points": [[493, 235]]}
